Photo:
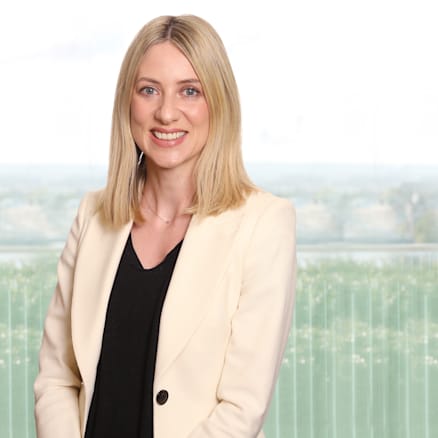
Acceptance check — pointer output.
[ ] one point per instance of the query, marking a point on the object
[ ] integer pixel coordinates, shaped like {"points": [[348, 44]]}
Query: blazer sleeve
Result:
{"points": [[58, 382], [260, 328]]}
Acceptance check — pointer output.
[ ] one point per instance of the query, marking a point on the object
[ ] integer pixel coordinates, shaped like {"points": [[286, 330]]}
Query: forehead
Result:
{"points": [[163, 61]]}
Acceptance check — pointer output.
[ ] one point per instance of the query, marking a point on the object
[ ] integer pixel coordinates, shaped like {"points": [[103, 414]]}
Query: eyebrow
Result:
{"points": [[183, 81]]}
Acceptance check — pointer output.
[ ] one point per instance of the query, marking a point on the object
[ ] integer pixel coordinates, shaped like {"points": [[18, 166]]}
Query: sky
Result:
{"points": [[320, 81]]}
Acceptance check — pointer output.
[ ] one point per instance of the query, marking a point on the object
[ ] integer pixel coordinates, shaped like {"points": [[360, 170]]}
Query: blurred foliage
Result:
{"points": [[366, 204]]}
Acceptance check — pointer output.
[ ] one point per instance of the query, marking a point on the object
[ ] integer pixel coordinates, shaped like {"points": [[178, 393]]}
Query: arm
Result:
{"points": [[58, 382], [260, 328]]}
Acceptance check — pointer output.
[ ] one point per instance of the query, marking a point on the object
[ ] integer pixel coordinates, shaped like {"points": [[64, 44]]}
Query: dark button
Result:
{"points": [[162, 397]]}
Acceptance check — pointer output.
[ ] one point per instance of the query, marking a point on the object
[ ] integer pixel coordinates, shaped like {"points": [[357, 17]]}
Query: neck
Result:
{"points": [[167, 194]]}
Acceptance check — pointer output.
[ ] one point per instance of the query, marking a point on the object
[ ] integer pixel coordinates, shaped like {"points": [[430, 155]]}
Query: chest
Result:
{"points": [[152, 241]]}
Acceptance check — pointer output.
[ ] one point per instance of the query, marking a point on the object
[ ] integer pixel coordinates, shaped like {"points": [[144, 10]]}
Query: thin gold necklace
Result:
{"points": [[164, 219]]}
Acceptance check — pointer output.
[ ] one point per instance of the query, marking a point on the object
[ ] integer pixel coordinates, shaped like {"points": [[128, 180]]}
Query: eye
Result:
{"points": [[191, 91], [147, 90]]}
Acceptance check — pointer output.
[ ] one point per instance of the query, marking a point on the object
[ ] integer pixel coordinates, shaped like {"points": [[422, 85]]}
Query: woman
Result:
{"points": [[175, 287]]}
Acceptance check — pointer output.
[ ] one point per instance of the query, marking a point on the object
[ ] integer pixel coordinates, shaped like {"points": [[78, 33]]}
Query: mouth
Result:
{"points": [[168, 135]]}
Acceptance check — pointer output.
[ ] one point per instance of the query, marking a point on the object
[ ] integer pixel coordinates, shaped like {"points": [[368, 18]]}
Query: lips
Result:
{"points": [[168, 135]]}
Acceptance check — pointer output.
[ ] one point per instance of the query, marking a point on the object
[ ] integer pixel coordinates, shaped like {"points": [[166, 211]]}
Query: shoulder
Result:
{"points": [[87, 211], [262, 213], [261, 203], [267, 217], [89, 204]]}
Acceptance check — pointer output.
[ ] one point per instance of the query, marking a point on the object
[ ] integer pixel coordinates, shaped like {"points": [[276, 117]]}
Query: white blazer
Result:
{"points": [[223, 329]]}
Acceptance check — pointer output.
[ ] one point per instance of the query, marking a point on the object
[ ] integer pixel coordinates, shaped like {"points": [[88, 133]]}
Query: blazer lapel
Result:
{"points": [[98, 259], [202, 259]]}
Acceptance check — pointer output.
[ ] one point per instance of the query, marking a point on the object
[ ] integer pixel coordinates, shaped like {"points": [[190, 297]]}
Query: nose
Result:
{"points": [[167, 110]]}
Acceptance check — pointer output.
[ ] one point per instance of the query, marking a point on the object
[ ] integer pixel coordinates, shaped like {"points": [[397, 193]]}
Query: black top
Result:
{"points": [[122, 404]]}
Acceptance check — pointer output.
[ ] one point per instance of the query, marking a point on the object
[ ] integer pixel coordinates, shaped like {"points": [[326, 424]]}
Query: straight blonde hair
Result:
{"points": [[221, 182]]}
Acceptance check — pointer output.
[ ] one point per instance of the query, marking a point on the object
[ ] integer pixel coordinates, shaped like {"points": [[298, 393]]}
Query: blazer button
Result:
{"points": [[162, 397]]}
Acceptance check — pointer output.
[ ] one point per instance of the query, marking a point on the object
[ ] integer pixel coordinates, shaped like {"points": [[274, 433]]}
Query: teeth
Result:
{"points": [[168, 136]]}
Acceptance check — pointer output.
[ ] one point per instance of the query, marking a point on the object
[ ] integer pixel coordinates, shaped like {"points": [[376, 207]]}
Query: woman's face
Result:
{"points": [[169, 113]]}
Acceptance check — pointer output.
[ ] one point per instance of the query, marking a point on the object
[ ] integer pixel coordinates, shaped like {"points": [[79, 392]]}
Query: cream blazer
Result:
{"points": [[223, 330]]}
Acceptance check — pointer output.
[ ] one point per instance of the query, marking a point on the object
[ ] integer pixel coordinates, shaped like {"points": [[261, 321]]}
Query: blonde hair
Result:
{"points": [[221, 182]]}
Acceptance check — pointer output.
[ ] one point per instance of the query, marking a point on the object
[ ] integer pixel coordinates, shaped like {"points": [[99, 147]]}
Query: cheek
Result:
{"points": [[136, 124], [137, 114], [200, 116], [139, 117]]}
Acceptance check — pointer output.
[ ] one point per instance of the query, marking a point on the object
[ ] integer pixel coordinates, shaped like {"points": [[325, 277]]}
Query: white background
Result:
{"points": [[321, 81]]}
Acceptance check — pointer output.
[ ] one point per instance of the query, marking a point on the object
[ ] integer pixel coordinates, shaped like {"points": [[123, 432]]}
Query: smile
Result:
{"points": [[169, 135]]}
